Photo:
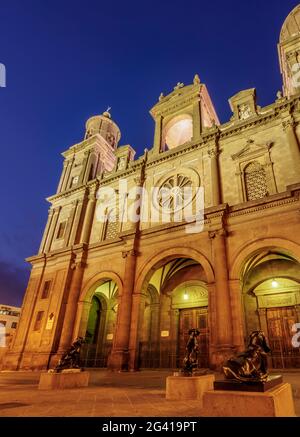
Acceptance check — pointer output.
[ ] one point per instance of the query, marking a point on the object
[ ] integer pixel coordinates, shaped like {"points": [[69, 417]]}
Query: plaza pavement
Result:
{"points": [[108, 395]]}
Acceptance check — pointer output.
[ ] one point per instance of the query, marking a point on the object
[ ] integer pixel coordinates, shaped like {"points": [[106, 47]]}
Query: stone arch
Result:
{"points": [[155, 261], [250, 249], [86, 295], [256, 268], [92, 283], [284, 268], [164, 348]]}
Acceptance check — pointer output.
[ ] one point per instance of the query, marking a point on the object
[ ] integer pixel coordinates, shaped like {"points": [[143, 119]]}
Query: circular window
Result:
{"points": [[175, 193]]}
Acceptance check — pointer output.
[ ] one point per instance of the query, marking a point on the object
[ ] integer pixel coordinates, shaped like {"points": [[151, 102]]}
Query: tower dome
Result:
{"points": [[291, 26], [104, 126]]}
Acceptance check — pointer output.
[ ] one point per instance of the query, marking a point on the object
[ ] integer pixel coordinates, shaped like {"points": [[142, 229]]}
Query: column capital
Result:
{"points": [[289, 124], [213, 153], [76, 265], [131, 252], [217, 233]]}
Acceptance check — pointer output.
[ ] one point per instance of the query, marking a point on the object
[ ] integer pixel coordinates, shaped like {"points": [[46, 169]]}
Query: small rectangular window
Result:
{"points": [[14, 325], [3, 322], [46, 290], [61, 230], [38, 321]]}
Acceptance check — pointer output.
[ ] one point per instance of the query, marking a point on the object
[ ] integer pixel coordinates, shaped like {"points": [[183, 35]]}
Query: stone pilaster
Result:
{"points": [[263, 324], [84, 167], [76, 228], [89, 217], [224, 343], [47, 230], [289, 129], [52, 230], [158, 135], [119, 359], [215, 176], [63, 176], [236, 300], [68, 325], [70, 224], [67, 176], [197, 126]]}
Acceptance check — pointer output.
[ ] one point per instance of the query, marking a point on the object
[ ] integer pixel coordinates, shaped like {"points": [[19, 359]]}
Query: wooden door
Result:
{"points": [[189, 319], [280, 322]]}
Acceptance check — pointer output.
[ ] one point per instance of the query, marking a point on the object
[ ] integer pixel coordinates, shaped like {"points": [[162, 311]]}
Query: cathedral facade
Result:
{"points": [[201, 231]]}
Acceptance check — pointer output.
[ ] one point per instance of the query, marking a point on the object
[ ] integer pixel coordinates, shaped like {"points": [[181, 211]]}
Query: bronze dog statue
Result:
{"points": [[251, 365]]}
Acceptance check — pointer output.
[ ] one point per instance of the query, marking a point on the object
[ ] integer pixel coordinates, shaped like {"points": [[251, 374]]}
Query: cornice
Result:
{"points": [[258, 208], [179, 98], [273, 112], [65, 194], [89, 142]]}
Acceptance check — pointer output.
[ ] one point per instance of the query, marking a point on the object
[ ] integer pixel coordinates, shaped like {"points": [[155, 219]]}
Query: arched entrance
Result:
{"points": [[98, 324], [271, 297], [175, 300]]}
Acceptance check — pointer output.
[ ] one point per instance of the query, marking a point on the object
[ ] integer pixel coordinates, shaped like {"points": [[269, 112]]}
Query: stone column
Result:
{"points": [[289, 129], [236, 300], [47, 229], [119, 358], [224, 346], [88, 219], [215, 178], [68, 326], [52, 229]]}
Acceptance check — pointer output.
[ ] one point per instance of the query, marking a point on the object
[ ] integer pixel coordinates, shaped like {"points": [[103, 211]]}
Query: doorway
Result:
{"points": [[280, 322]]}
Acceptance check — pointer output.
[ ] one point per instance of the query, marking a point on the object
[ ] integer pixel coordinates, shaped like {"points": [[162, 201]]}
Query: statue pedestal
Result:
{"points": [[71, 378], [232, 385], [277, 402], [180, 388]]}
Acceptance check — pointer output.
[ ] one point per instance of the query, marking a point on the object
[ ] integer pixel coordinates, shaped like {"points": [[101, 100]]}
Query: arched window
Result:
{"points": [[255, 181], [111, 226]]}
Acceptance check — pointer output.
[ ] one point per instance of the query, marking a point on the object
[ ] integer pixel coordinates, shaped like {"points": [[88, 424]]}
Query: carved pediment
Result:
{"points": [[251, 150]]}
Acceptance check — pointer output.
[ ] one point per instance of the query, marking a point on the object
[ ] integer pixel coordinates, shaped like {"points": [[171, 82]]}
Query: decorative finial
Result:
{"points": [[178, 86], [107, 113], [279, 95], [161, 97], [197, 80]]}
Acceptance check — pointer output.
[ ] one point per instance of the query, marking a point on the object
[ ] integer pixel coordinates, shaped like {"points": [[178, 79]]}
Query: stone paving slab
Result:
{"points": [[140, 394]]}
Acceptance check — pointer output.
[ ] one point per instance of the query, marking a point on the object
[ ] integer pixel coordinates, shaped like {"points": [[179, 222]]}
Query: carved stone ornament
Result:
{"points": [[245, 112]]}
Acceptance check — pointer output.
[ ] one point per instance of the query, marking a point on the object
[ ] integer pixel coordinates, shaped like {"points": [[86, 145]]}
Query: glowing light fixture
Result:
{"points": [[274, 283], [185, 296]]}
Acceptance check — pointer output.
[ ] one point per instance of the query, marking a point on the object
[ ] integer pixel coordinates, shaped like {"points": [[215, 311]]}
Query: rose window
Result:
{"points": [[175, 193]]}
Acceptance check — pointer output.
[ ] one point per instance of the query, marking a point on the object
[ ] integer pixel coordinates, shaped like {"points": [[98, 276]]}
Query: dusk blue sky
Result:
{"points": [[68, 60]]}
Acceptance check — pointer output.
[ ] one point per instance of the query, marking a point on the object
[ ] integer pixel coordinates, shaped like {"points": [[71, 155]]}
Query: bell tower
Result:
{"points": [[289, 53], [182, 116], [94, 155]]}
